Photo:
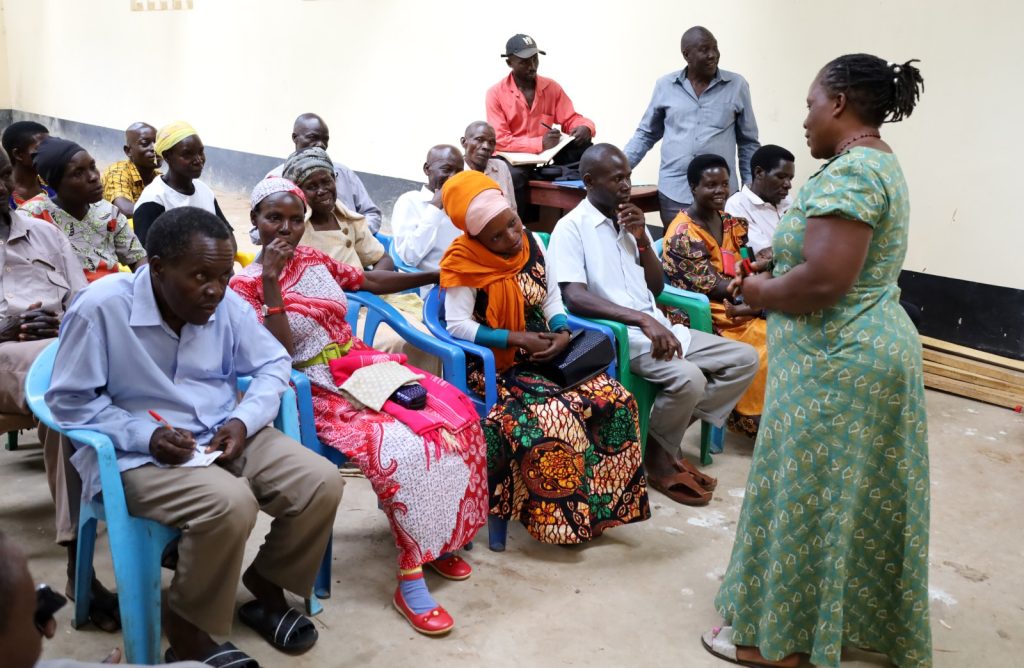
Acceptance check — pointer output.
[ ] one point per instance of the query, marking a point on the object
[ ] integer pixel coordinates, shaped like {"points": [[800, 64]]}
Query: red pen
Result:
{"points": [[156, 416]]}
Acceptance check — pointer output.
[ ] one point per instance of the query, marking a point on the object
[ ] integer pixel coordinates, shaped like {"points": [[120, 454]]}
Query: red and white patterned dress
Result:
{"points": [[435, 499]]}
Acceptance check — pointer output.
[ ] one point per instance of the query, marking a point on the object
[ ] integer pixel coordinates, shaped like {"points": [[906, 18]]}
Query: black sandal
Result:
{"points": [[292, 633], [225, 655]]}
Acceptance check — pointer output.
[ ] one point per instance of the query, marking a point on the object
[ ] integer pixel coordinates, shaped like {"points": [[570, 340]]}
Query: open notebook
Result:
{"points": [[541, 158]]}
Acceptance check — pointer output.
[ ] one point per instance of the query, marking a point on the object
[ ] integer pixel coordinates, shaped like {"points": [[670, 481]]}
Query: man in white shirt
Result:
{"points": [[765, 201], [601, 256], [421, 230], [478, 142]]}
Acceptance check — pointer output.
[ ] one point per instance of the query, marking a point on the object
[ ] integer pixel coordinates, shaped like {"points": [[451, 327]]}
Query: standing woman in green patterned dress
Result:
{"points": [[832, 544]]}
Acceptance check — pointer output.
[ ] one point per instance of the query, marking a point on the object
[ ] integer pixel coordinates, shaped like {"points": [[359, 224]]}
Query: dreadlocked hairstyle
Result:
{"points": [[879, 92]]}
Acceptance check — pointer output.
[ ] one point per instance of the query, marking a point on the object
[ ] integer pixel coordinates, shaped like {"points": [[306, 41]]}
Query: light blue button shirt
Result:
{"points": [[118, 360], [718, 121]]}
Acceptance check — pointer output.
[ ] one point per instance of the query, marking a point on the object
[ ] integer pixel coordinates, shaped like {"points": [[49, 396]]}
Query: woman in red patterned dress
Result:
{"points": [[432, 486]]}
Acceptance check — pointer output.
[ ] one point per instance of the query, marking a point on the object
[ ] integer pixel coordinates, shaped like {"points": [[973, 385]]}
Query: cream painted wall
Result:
{"points": [[394, 77]]}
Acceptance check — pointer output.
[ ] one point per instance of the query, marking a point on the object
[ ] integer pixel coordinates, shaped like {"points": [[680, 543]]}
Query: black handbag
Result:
{"points": [[588, 354]]}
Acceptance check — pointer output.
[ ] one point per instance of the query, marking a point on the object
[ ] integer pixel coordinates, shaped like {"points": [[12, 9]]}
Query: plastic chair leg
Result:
{"points": [[138, 584], [313, 606], [83, 567], [12, 440], [322, 588], [497, 533], [717, 440], [706, 435]]}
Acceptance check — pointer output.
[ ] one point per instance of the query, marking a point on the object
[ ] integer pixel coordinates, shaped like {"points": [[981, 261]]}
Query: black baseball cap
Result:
{"points": [[522, 46]]}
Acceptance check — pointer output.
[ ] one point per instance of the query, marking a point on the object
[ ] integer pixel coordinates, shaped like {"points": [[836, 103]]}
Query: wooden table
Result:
{"points": [[555, 200]]}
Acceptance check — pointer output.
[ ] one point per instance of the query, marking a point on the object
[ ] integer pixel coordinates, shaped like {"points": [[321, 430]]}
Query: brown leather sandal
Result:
{"points": [[682, 488], [703, 479]]}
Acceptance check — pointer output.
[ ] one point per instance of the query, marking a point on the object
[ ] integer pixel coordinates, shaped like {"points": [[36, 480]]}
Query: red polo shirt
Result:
{"points": [[518, 127]]}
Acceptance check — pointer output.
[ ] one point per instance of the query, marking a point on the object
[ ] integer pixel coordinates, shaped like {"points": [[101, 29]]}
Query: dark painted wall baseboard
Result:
{"points": [[987, 317], [225, 169]]}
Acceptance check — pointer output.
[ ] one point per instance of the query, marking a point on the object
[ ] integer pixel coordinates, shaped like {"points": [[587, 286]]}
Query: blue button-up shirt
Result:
{"points": [[118, 360], [718, 121]]}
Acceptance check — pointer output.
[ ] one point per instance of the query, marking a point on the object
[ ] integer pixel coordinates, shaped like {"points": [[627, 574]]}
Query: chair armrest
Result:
{"points": [[106, 464], [696, 305], [400, 264], [453, 359], [576, 322], [431, 318]]}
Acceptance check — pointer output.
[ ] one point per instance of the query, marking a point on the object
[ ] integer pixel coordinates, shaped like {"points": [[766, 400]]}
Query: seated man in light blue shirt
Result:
{"points": [[151, 360], [699, 109]]}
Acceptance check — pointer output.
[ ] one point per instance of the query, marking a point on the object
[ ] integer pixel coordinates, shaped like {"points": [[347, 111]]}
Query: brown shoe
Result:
{"points": [[682, 488], [703, 479]]}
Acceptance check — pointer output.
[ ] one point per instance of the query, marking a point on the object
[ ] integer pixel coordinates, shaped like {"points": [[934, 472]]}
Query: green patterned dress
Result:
{"points": [[832, 544]]}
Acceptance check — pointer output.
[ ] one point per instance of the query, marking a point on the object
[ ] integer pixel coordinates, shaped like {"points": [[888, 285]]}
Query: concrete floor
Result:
{"points": [[639, 596]]}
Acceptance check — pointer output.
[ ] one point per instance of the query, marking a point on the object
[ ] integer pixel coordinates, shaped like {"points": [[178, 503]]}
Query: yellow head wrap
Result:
{"points": [[169, 135]]}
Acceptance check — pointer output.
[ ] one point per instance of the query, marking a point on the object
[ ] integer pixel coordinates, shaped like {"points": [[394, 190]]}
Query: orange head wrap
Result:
{"points": [[469, 263]]}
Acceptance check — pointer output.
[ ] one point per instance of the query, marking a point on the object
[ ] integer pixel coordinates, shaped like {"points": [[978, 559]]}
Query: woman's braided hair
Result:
{"points": [[879, 92]]}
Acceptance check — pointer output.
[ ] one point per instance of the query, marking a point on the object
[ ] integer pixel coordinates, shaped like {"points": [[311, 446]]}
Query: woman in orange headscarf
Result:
{"points": [[565, 463]]}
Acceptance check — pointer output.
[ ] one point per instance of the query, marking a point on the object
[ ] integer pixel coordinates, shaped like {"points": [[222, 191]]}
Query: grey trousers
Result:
{"points": [[215, 507], [706, 384]]}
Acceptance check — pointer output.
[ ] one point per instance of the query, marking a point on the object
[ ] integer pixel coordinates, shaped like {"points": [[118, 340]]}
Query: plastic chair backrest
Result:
{"points": [[400, 264], [384, 239], [433, 318], [453, 360]]}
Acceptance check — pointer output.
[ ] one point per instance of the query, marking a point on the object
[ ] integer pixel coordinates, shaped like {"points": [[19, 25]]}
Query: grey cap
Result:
{"points": [[521, 46]]}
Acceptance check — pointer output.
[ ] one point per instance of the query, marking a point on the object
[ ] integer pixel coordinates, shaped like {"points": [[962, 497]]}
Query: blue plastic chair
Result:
{"points": [[433, 318], [136, 544], [717, 433], [453, 364], [384, 239], [401, 264]]}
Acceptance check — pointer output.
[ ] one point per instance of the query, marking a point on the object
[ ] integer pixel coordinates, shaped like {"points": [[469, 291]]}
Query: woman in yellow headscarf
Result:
{"points": [[565, 463], [185, 156]]}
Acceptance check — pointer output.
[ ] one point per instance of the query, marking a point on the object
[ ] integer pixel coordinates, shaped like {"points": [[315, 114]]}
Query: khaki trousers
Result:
{"points": [[65, 486], [706, 384], [215, 509]]}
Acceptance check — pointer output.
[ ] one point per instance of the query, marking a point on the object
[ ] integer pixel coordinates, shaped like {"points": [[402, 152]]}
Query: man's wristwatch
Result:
{"points": [[271, 310]]}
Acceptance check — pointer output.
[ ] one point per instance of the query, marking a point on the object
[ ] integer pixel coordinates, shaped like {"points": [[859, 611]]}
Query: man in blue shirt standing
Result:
{"points": [[699, 109], [151, 360]]}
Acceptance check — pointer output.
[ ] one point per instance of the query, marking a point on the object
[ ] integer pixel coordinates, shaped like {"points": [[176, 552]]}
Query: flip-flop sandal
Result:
{"points": [[703, 479], [718, 641], [681, 488], [225, 656], [291, 632]]}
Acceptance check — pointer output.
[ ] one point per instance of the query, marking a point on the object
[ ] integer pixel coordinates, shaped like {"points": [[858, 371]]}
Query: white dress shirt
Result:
{"points": [[421, 232], [586, 248], [762, 217]]}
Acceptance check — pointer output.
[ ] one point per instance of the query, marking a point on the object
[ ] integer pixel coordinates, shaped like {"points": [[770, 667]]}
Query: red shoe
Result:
{"points": [[434, 622], [453, 567]]}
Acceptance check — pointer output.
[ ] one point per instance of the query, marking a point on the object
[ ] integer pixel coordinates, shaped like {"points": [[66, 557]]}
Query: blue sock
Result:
{"points": [[417, 596], [444, 556]]}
